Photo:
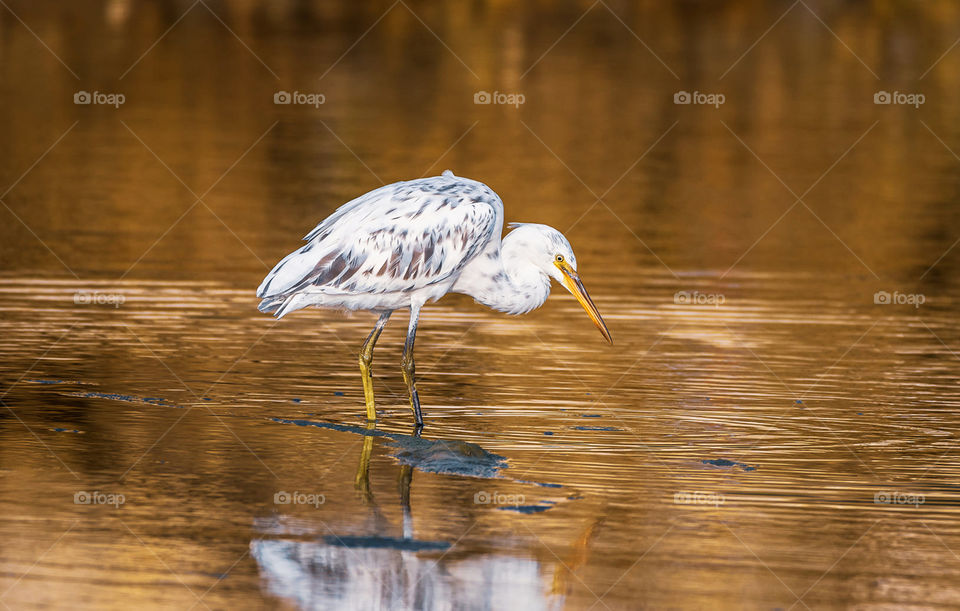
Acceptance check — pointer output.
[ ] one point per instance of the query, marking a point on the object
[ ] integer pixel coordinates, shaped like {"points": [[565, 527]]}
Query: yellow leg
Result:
{"points": [[366, 358]]}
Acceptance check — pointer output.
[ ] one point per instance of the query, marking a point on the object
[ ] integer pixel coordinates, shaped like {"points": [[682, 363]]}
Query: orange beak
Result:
{"points": [[572, 282]]}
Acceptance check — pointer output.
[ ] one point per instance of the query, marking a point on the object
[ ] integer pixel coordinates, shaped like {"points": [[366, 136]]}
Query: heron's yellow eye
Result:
{"points": [[559, 258]]}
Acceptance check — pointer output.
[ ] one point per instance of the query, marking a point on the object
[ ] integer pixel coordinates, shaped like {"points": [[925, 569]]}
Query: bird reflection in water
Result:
{"points": [[380, 571]]}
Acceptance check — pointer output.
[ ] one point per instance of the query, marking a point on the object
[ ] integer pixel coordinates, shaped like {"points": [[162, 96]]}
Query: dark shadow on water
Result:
{"points": [[381, 542], [450, 457], [727, 463], [528, 509]]}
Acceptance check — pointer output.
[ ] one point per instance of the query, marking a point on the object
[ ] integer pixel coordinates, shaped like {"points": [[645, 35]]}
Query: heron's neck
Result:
{"points": [[503, 282]]}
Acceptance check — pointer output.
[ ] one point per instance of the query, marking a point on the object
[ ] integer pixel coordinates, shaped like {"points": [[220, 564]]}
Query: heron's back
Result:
{"points": [[402, 242]]}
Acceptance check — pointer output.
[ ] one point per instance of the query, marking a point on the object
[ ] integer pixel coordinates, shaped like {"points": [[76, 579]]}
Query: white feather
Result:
{"points": [[403, 242]]}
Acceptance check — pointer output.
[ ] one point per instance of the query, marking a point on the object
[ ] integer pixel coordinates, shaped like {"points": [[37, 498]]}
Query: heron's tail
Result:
{"points": [[281, 305], [270, 304]]}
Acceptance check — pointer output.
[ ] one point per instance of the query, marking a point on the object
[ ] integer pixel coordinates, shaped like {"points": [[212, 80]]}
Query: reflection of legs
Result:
{"points": [[362, 481], [406, 476], [366, 357], [408, 366]]}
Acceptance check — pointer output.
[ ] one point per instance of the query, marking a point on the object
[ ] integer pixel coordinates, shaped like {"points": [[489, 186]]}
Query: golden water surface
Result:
{"points": [[775, 427]]}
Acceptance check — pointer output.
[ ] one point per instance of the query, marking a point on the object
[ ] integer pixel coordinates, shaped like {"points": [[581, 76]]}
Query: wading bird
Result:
{"points": [[409, 243]]}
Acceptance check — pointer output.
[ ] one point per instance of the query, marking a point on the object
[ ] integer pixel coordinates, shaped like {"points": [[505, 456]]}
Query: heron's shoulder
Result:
{"points": [[439, 200], [434, 198], [448, 187]]}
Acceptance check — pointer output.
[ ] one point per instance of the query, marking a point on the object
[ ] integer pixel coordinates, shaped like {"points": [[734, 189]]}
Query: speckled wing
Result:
{"points": [[398, 238]]}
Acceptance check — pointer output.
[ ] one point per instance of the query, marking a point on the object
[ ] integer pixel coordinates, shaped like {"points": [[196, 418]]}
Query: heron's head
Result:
{"points": [[548, 250]]}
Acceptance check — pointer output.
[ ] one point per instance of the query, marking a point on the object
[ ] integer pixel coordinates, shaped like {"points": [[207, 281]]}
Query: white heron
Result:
{"points": [[412, 242]]}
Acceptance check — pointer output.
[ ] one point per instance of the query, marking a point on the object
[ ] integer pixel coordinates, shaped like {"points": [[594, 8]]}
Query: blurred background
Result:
{"points": [[762, 199]]}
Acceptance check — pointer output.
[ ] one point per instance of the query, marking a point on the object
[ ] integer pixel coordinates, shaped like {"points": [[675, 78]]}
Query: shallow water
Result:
{"points": [[763, 434]]}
